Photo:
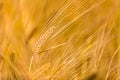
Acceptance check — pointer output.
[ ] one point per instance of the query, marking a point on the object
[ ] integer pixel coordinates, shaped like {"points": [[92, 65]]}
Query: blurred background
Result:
{"points": [[59, 39]]}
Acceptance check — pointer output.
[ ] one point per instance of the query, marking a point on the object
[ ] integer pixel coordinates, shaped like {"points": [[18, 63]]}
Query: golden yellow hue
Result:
{"points": [[59, 39]]}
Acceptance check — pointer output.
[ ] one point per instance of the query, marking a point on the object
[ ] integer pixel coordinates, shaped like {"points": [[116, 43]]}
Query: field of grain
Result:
{"points": [[59, 39]]}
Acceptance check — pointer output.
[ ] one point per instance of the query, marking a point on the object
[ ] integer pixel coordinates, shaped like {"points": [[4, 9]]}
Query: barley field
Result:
{"points": [[59, 39]]}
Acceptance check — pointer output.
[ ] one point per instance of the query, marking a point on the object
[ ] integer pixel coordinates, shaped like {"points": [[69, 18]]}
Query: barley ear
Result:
{"points": [[37, 45]]}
